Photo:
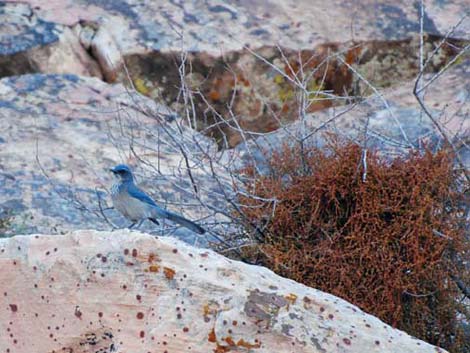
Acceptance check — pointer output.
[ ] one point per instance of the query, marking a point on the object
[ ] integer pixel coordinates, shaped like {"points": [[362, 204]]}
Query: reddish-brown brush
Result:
{"points": [[390, 244]]}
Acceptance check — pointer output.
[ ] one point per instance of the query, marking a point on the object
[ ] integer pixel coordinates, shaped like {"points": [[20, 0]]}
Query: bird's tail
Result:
{"points": [[185, 223], [181, 221]]}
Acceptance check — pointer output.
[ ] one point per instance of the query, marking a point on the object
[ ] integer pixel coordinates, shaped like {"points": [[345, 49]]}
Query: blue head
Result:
{"points": [[123, 172]]}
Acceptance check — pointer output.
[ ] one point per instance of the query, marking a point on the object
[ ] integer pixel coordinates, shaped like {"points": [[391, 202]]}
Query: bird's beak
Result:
{"points": [[112, 170]]}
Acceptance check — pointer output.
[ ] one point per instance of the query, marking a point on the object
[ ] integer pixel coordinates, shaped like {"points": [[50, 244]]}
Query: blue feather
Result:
{"points": [[135, 192]]}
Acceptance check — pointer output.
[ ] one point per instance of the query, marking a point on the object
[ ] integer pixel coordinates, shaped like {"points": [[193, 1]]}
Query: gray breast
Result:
{"points": [[130, 207]]}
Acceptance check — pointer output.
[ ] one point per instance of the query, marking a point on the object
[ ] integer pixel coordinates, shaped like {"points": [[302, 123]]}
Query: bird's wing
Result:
{"points": [[135, 192]]}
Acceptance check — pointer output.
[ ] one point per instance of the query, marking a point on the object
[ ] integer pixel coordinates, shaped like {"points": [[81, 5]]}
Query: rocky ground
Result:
{"points": [[92, 291]]}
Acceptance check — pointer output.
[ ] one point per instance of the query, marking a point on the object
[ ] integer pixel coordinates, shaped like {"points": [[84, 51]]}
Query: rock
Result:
{"points": [[394, 121], [106, 52], [124, 291], [293, 24], [61, 135], [246, 53], [29, 44]]}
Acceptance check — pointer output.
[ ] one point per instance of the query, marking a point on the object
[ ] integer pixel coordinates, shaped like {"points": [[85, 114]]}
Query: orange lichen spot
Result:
{"points": [[169, 273], [285, 108], [151, 257], [291, 297], [291, 69], [242, 343], [214, 95], [243, 80], [154, 268], [229, 341], [212, 337], [353, 55], [221, 349]]}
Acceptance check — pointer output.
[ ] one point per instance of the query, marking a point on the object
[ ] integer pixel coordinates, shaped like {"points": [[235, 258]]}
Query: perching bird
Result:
{"points": [[137, 206]]}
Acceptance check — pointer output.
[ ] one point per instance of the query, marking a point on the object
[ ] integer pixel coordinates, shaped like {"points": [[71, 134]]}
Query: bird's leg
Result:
{"points": [[132, 225], [140, 223]]}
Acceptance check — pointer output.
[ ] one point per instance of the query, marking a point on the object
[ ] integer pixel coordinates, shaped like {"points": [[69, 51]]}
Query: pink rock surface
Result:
{"points": [[218, 26], [124, 291]]}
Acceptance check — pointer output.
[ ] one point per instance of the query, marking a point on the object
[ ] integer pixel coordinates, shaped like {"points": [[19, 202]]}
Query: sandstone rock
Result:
{"points": [[29, 44], [60, 134], [125, 291], [394, 121], [225, 42], [293, 24]]}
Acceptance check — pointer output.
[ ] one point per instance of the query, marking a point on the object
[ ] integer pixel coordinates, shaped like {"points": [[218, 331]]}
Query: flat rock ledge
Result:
{"points": [[123, 291]]}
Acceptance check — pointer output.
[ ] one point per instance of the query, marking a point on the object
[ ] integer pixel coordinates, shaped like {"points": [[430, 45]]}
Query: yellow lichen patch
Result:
{"points": [[140, 86], [154, 268], [211, 308], [279, 79], [286, 93], [458, 61], [291, 298], [169, 272], [314, 89], [206, 310]]}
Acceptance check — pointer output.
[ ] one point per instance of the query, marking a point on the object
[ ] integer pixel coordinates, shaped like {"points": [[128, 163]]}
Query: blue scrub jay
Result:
{"points": [[137, 206]]}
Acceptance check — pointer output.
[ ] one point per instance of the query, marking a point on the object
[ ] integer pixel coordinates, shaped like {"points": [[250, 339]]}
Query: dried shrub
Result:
{"points": [[390, 244]]}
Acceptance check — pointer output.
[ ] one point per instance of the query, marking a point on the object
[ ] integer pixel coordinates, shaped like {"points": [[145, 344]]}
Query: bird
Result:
{"points": [[135, 205]]}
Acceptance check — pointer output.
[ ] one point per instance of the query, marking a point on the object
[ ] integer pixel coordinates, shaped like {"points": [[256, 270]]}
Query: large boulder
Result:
{"points": [[60, 134], [137, 25], [124, 291], [241, 57], [30, 44]]}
